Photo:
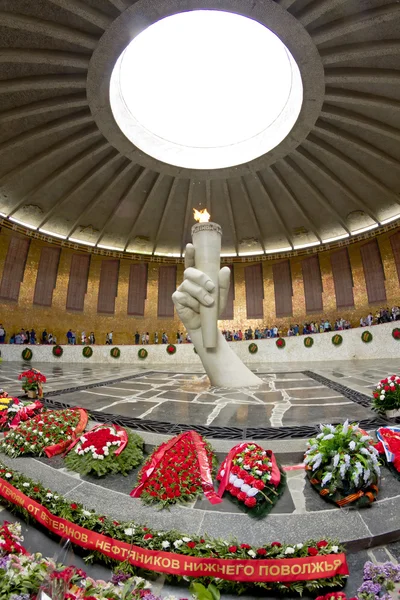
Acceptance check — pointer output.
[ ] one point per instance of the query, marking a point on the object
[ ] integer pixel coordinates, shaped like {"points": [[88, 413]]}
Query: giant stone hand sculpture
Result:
{"points": [[200, 299]]}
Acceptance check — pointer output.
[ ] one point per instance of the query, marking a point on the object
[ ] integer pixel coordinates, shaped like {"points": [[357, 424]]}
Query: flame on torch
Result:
{"points": [[202, 216]]}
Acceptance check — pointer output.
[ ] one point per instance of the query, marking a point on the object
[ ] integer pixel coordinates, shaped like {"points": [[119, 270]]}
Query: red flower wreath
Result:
{"points": [[171, 349], [280, 343], [396, 333]]}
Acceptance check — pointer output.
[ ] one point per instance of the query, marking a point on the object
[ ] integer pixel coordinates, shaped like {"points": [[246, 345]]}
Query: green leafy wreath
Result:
{"points": [[142, 353], [367, 337], [115, 352], [27, 354], [396, 333], [280, 343], [87, 352], [57, 351], [171, 349], [337, 339], [253, 348], [123, 463], [308, 342]]}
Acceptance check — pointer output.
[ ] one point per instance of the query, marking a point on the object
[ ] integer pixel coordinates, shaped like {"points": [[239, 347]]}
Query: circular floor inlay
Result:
{"points": [[206, 89]]}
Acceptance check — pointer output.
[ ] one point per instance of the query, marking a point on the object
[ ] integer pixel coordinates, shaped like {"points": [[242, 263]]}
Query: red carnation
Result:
{"points": [[241, 496], [74, 506], [322, 544], [191, 544], [36, 489], [202, 541], [386, 388], [234, 491], [250, 502], [312, 551], [261, 551], [376, 394], [276, 544], [259, 485], [148, 536], [245, 546], [233, 548]]}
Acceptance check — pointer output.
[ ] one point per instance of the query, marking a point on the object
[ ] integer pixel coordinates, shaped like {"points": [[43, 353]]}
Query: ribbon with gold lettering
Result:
{"points": [[80, 428], [284, 570]]}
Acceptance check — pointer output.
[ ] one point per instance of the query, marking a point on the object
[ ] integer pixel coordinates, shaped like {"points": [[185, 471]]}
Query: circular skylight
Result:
{"points": [[206, 90]]}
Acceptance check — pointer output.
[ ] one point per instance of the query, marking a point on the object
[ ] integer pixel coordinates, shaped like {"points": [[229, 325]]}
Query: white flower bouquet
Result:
{"points": [[343, 466]]}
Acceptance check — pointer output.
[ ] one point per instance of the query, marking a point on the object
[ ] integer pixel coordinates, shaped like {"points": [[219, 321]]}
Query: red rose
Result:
{"points": [[245, 546], [191, 544], [250, 502], [322, 544], [276, 544], [261, 551], [312, 551], [232, 548], [148, 536], [259, 485]]}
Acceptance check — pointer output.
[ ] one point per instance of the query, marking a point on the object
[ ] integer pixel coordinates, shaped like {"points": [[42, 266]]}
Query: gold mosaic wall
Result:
{"points": [[58, 320]]}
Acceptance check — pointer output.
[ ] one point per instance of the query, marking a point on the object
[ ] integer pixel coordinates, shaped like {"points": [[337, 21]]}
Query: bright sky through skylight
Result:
{"points": [[206, 89]]}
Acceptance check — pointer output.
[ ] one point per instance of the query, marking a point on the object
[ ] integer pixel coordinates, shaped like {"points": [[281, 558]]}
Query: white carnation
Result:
{"points": [[251, 553], [289, 550]]}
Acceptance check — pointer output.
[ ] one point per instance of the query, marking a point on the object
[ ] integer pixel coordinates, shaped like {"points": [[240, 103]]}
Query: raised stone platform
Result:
{"points": [[383, 346]]}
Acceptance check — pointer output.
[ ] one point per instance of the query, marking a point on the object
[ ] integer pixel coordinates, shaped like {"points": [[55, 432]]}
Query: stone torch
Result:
{"points": [[206, 238]]}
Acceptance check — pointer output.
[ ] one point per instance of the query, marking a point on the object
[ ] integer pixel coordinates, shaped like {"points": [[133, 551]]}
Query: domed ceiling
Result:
{"points": [[66, 169]]}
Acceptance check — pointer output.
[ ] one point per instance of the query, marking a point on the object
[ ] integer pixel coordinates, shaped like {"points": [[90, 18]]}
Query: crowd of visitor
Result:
{"points": [[383, 315]]}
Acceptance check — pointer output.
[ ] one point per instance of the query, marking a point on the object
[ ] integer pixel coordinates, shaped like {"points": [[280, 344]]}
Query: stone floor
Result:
{"points": [[288, 397]]}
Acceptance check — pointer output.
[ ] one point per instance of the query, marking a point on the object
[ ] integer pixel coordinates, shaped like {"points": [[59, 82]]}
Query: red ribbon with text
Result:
{"points": [[259, 570]]}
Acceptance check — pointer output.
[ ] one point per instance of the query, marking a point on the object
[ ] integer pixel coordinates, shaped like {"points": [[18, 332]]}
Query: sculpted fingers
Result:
{"points": [[182, 299], [198, 292], [189, 256], [199, 278], [224, 279]]}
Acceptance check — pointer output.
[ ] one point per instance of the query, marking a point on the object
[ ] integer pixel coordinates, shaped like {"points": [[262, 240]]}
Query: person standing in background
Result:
{"points": [[156, 337], [2, 334], [92, 339], [147, 337], [110, 337], [137, 338]]}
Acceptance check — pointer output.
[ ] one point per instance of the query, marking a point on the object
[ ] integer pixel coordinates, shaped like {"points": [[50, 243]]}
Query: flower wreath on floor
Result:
{"points": [[308, 342], [252, 477], [178, 471], [105, 449], [171, 349], [50, 432], [342, 465], [388, 447], [386, 395], [253, 348], [16, 411], [142, 353], [173, 543], [24, 575]]}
